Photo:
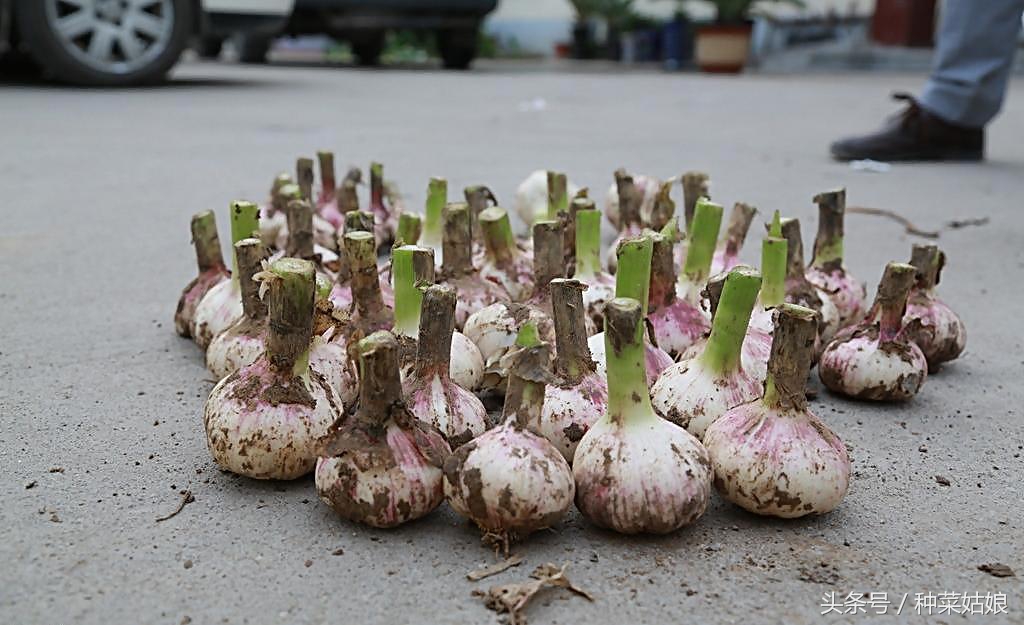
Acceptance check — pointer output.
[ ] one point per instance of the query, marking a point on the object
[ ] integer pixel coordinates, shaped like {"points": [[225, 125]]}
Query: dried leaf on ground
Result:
{"points": [[512, 599]]}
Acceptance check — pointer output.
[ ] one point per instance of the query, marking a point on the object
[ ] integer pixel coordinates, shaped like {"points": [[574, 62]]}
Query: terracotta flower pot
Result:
{"points": [[723, 48]]}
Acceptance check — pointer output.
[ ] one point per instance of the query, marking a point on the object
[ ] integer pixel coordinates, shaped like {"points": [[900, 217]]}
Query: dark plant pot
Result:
{"points": [[677, 43], [583, 41], [723, 48]]}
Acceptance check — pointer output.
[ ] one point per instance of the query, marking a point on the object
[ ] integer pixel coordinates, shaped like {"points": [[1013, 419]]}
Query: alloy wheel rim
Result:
{"points": [[112, 36]]}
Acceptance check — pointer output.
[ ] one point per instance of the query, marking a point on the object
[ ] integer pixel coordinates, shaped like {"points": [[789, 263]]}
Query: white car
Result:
{"points": [[125, 42]]}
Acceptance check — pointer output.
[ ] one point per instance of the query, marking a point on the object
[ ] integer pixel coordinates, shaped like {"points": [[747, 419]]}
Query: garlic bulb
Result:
{"points": [[647, 187], [380, 466], [510, 481], [727, 254], [371, 313], [693, 393], [503, 261], [798, 289], [578, 396], [341, 291], [432, 395], [242, 343], [211, 271], [532, 200], [826, 271], [457, 268], [600, 284], [432, 235], [930, 323], [385, 219], [493, 331], [264, 420], [272, 217], [676, 315], [327, 199], [222, 304], [773, 456], [636, 472], [629, 222], [323, 232], [875, 359], [633, 281]]}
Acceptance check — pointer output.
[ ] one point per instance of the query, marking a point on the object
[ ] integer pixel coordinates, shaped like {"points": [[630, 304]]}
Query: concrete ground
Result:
{"points": [[101, 401]]}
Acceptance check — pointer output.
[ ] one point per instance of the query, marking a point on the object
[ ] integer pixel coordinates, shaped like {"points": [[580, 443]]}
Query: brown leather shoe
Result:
{"points": [[914, 135]]}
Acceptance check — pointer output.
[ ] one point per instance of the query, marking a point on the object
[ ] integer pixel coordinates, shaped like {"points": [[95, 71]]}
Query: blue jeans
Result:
{"points": [[977, 42]]}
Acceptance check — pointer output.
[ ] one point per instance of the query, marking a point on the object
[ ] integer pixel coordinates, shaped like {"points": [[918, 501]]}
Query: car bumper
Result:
{"points": [[224, 24]]}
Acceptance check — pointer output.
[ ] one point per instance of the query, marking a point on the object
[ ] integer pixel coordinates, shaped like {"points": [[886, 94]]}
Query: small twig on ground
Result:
{"points": [[494, 569], [956, 224], [513, 598], [186, 498], [893, 215]]}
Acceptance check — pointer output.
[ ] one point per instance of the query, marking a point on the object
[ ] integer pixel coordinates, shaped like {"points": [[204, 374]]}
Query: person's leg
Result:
{"points": [[977, 42]]}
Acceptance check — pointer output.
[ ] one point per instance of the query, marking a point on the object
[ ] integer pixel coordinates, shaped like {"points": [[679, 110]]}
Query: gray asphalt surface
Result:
{"points": [[101, 401]]}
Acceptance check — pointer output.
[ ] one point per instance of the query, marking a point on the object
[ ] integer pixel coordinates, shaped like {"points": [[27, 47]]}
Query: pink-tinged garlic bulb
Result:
{"points": [[676, 314], [327, 205], [379, 465], [503, 261], [457, 268], [532, 196], [578, 396], [385, 219], [798, 289], [272, 214], [264, 420], [600, 284], [510, 481], [341, 291], [323, 232], [211, 271], [633, 281], [693, 393], [636, 472], [827, 271], [773, 456], [929, 322], [429, 390], [371, 313], [243, 342], [875, 359], [222, 304], [647, 188], [412, 269], [630, 224], [727, 254]]}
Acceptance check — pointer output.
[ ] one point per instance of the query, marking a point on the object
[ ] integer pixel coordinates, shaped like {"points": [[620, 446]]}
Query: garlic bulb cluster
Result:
{"points": [[636, 472], [798, 289], [929, 322], [264, 420], [379, 465], [221, 306], [875, 359], [457, 269], [826, 271], [676, 315], [211, 271], [693, 392], [773, 456], [510, 481], [633, 281]]}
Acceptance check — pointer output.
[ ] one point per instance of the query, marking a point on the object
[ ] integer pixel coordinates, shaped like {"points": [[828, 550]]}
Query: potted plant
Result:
{"points": [[723, 45]]}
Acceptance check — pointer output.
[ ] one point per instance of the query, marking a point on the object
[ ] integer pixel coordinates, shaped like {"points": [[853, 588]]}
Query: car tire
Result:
{"points": [[252, 49], [62, 57], [367, 48], [458, 47], [209, 47]]}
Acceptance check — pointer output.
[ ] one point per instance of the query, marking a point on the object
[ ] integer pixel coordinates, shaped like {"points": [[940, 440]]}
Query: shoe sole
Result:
{"points": [[968, 156]]}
